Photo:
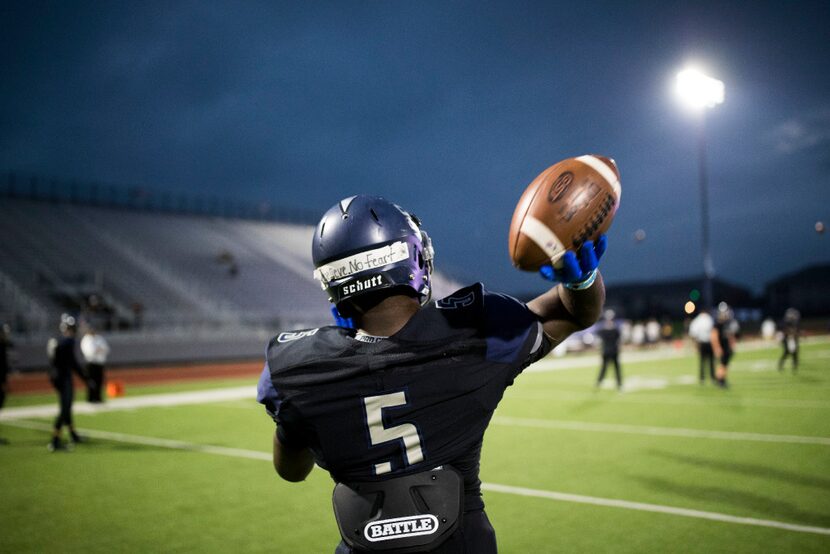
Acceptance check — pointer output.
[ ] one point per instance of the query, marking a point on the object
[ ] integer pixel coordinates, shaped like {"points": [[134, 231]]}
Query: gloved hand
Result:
{"points": [[341, 321], [578, 273]]}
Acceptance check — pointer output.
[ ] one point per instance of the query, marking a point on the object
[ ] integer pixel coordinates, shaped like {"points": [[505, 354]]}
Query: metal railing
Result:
{"points": [[30, 186]]}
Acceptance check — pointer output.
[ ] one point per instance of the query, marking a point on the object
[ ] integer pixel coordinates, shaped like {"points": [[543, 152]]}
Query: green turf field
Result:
{"points": [[666, 466]]}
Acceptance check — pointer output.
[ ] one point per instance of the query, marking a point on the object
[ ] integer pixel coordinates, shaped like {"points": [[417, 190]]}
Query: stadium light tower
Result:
{"points": [[700, 92]]}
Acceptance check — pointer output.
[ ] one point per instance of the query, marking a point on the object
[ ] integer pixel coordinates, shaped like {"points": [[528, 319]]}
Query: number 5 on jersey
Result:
{"points": [[378, 434]]}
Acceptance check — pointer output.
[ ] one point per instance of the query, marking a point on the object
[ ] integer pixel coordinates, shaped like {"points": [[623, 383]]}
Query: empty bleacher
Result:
{"points": [[160, 274]]}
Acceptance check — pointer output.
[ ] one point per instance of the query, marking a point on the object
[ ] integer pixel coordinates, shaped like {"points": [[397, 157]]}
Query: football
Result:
{"points": [[568, 203]]}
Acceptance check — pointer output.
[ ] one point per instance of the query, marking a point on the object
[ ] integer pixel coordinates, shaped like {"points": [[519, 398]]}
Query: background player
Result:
{"points": [[409, 392], [723, 342], [5, 346], [609, 334], [64, 363], [790, 331]]}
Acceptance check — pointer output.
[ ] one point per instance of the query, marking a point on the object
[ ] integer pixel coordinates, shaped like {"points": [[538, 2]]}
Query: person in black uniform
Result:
{"points": [[64, 362], [723, 342], [790, 332], [395, 408], [5, 345], [609, 334]]}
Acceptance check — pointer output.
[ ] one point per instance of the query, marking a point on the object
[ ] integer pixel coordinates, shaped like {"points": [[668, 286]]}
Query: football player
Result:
{"points": [[393, 402], [5, 345], [64, 360], [790, 332], [723, 342], [609, 334]]}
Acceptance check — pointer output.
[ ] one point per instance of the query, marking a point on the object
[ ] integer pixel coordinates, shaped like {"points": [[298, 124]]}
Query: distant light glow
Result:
{"points": [[697, 90], [694, 295], [689, 308]]}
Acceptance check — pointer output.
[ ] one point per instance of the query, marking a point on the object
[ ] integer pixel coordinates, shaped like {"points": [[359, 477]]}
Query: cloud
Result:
{"points": [[802, 132]]}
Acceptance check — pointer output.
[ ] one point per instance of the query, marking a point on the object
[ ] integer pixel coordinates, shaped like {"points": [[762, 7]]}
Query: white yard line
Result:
{"points": [[150, 441], [660, 353], [134, 402], [247, 392], [655, 431], [559, 395], [657, 508], [626, 356], [492, 487]]}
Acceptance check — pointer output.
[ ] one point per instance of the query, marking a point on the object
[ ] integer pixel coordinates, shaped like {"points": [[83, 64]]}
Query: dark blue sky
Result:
{"points": [[450, 109]]}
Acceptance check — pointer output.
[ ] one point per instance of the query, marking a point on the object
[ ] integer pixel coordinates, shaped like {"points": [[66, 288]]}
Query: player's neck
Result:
{"points": [[389, 316]]}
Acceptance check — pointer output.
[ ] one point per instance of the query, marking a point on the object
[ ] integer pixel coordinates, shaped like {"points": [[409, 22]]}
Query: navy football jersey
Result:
{"points": [[370, 409], [66, 360]]}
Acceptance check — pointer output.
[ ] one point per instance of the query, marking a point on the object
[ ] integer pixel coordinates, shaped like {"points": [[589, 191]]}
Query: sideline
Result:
{"points": [[493, 487], [656, 508], [134, 402], [249, 393], [560, 395], [655, 431], [660, 352]]}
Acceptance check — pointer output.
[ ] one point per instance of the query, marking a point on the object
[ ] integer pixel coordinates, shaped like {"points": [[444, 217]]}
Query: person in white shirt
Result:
{"points": [[701, 332], [638, 334], [95, 349], [652, 332], [768, 329]]}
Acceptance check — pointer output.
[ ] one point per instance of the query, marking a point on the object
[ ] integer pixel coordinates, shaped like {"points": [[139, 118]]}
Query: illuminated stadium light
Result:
{"points": [[697, 90], [689, 308]]}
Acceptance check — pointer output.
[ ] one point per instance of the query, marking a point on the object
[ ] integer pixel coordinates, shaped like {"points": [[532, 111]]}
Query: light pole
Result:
{"points": [[699, 92]]}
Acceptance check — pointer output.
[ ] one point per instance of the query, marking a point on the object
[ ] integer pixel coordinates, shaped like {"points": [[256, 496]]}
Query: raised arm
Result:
{"points": [[576, 302]]}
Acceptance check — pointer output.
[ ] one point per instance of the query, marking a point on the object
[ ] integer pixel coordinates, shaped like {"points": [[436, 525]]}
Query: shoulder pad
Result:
{"points": [[470, 297], [460, 313], [290, 336], [293, 348]]}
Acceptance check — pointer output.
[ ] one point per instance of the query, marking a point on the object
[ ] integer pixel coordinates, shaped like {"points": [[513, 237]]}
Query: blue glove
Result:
{"points": [[577, 274], [341, 321]]}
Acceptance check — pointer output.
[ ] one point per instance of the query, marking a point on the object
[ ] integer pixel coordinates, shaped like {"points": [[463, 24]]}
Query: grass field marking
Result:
{"points": [[150, 441], [552, 363], [669, 399], [580, 362], [493, 487], [655, 508], [655, 431], [134, 402]]}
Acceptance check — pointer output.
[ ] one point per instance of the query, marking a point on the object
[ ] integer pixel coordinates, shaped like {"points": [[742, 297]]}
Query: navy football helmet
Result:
{"points": [[365, 244], [68, 323]]}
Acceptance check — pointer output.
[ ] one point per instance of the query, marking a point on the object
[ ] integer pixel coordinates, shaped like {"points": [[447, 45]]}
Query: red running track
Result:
{"points": [[38, 382]]}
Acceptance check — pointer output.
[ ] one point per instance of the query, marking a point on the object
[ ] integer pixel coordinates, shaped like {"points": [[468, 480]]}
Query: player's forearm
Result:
{"points": [[584, 306], [563, 311], [292, 464]]}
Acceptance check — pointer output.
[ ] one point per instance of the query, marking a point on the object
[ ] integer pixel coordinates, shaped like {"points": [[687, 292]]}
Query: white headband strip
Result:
{"points": [[371, 259]]}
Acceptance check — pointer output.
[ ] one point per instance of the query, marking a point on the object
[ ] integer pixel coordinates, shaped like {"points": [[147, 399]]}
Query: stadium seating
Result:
{"points": [[157, 270]]}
